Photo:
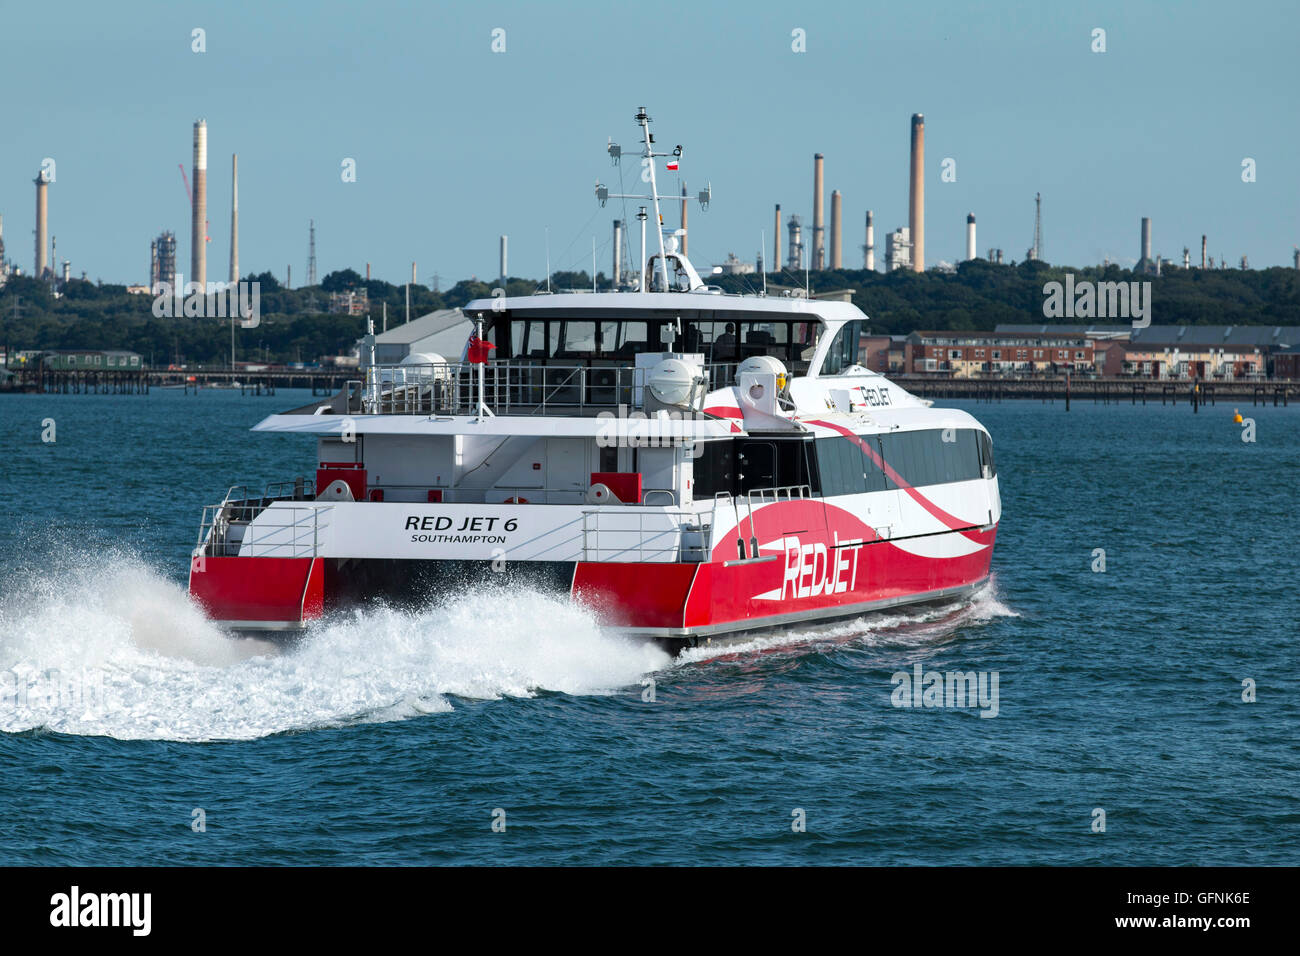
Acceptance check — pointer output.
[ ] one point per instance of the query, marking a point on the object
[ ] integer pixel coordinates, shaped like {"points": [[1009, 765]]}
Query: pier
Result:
{"points": [[1046, 389], [1104, 391], [51, 381]]}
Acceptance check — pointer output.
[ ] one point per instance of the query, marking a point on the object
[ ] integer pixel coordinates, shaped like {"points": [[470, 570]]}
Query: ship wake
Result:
{"points": [[115, 649]]}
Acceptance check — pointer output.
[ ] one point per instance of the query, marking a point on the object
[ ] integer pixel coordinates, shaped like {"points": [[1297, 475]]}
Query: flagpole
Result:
{"points": [[478, 335]]}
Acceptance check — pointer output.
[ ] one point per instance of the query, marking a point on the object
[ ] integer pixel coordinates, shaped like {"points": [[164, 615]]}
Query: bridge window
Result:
{"points": [[577, 339], [844, 348], [986, 455]]}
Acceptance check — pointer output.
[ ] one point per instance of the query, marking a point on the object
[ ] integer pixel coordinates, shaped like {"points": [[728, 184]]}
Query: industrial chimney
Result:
{"points": [[970, 236], [1145, 261], [199, 208], [1202, 250], [869, 250], [234, 218], [794, 247], [837, 248], [504, 272], [776, 241], [42, 224], [916, 199], [618, 254], [819, 226]]}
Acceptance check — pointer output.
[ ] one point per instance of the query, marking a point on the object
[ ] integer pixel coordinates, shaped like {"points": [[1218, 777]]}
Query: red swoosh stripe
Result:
{"points": [[953, 522]]}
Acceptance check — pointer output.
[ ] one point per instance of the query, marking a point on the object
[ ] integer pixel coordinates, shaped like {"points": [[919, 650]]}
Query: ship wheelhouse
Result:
{"points": [[596, 336]]}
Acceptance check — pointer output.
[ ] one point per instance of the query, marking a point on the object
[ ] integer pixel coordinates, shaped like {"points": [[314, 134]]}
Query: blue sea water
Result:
{"points": [[398, 738]]}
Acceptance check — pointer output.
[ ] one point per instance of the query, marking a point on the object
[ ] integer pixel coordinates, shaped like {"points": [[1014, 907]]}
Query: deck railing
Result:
{"points": [[509, 388], [634, 534], [222, 526]]}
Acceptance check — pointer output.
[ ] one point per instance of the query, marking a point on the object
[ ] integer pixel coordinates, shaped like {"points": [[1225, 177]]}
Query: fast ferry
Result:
{"points": [[688, 464]]}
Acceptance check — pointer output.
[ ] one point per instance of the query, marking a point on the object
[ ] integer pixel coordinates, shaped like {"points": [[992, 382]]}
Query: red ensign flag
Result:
{"points": [[478, 350]]}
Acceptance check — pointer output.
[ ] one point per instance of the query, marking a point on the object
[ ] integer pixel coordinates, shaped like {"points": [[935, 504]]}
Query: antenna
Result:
{"points": [[640, 272], [649, 155], [644, 121], [311, 253]]}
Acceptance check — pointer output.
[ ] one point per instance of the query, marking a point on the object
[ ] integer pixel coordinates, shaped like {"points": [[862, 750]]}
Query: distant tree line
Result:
{"points": [[981, 294], [297, 326]]}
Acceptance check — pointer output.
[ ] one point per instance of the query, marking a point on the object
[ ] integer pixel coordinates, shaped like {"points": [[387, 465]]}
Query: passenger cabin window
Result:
{"points": [[577, 339], [568, 340], [918, 458], [844, 348]]}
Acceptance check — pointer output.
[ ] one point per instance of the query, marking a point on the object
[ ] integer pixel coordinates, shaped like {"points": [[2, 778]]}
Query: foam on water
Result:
{"points": [[902, 627], [115, 649]]}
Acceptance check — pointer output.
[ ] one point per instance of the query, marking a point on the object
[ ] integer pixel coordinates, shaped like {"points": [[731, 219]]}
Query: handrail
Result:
{"points": [[677, 526], [531, 388], [239, 507], [791, 492]]}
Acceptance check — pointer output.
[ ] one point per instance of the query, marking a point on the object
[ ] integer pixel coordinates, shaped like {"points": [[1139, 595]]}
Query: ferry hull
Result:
{"points": [[676, 603]]}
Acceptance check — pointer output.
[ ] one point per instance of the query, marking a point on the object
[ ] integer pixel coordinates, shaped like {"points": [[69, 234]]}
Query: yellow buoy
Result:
{"points": [[1236, 416]]}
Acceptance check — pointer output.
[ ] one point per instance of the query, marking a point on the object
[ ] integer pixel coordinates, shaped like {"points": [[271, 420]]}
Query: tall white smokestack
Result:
{"points": [[617, 272], [199, 209], [234, 218], [916, 202], [837, 258], [42, 224], [776, 241], [869, 250], [819, 228], [970, 236], [504, 271]]}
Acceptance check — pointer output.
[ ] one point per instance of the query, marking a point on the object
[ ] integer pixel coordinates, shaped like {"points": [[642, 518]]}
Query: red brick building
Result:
{"points": [[967, 354]]}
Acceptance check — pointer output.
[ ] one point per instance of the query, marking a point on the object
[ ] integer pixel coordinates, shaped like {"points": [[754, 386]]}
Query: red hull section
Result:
{"points": [[790, 561], [634, 594], [802, 569], [259, 590]]}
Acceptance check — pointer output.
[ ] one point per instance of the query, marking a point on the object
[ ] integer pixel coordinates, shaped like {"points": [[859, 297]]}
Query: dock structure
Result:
{"points": [[1104, 391], [57, 381], [328, 381]]}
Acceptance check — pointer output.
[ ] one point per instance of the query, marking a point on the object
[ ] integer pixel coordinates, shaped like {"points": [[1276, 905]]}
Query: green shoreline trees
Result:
{"points": [[296, 326]]}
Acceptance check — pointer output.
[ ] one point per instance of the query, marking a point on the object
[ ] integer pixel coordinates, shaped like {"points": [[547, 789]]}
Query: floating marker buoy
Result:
{"points": [[1236, 416]]}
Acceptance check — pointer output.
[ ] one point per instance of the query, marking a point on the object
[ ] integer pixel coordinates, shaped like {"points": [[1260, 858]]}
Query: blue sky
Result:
{"points": [[455, 144]]}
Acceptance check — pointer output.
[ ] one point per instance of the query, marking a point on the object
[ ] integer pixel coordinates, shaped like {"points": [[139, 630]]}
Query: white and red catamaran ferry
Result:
{"points": [[686, 463]]}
